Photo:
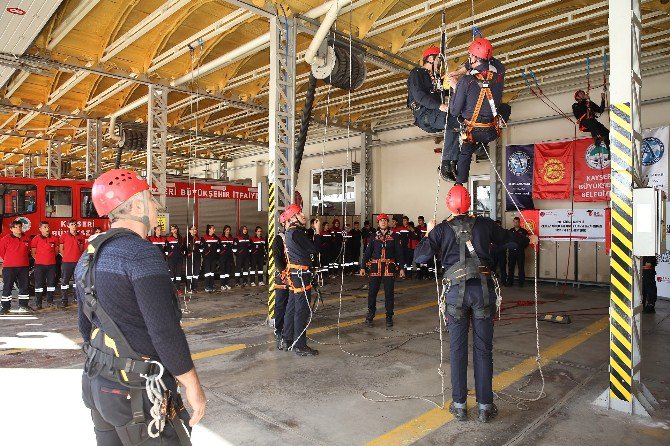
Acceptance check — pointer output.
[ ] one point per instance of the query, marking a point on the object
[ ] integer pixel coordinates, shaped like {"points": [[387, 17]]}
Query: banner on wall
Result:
{"points": [[531, 221], [655, 156], [663, 275], [552, 171], [519, 177], [578, 225], [592, 171]]}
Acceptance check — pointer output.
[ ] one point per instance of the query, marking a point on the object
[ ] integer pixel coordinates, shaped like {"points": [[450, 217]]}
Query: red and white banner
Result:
{"points": [[207, 190], [531, 221], [578, 225], [552, 170], [592, 171]]}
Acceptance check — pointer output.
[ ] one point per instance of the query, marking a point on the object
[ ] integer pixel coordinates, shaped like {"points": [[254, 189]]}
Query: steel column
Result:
{"points": [[625, 393], [157, 142], [53, 160], [93, 148], [281, 133]]}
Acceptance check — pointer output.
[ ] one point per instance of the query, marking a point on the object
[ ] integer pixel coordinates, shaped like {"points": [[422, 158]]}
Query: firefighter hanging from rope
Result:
{"points": [[587, 112], [474, 116]]}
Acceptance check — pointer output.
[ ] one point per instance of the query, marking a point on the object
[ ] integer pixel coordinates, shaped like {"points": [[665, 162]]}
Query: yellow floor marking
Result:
{"points": [[311, 331], [426, 423], [264, 311]]}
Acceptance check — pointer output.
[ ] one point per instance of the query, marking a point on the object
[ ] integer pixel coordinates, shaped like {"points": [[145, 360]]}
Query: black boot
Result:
{"points": [[487, 412], [369, 318], [389, 321], [460, 413], [453, 167], [305, 351], [446, 172]]}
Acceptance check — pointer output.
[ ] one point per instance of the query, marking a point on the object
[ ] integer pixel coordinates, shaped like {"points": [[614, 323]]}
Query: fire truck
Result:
{"points": [[34, 200]]}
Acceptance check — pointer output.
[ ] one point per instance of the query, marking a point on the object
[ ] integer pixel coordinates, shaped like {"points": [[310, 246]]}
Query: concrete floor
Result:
{"points": [[258, 395]]}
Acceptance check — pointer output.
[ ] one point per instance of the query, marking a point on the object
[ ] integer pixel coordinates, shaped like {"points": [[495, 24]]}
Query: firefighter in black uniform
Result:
{"points": [[517, 256], [425, 88], [477, 103], [499, 259], [281, 285], [129, 319], [464, 242], [649, 291], [383, 258], [585, 110], [174, 251], [300, 252], [242, 249], [194, 249]]}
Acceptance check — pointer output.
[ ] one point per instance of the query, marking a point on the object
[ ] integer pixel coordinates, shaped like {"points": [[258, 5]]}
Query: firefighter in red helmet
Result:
{"points": [[382, 260], [477, 103], [586, 111], [129, 319], [465, 241], [425, 98]]}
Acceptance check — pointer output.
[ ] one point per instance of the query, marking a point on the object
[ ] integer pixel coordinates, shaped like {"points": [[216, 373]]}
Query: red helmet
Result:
{"points": [[481, 48], [113, 188], [430, 51], [382, 216], [577, 94], [289, 212], [458, 200]]}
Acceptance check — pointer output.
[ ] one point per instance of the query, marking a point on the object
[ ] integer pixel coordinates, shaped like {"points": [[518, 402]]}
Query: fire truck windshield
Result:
{"points": [[18, 199]]}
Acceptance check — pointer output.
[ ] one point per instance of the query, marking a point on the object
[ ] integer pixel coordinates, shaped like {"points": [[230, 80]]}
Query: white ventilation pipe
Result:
{"points": [[322, 32]]}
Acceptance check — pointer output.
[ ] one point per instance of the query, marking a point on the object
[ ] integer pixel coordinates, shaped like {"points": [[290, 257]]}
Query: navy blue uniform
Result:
{"points": [[133, 287], [462, 106], [383, 258], [300, 251], [193, 261], [442, 239], [281, 286], [174, 251], [242, 249], [649, 291], [424, 97], [210, 255], [226, 260], [517, 257]]}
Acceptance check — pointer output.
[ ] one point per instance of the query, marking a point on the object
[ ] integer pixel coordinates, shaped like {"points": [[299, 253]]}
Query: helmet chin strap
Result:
{"points": [[144, 219]]}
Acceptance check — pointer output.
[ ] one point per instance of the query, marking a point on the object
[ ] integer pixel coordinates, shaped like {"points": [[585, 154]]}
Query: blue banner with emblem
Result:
{"points": [[519, 178]]}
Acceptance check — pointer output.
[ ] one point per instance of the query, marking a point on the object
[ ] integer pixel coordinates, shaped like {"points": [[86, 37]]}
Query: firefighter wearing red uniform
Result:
{"points": [[71, 248], [15, 254], [383, 257], [403, 233], [193, 259], [258, 257], [226, 258], [44, 247]]}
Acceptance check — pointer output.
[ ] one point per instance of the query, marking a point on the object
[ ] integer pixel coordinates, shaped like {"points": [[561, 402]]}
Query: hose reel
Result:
{"points": [[332, 65]]}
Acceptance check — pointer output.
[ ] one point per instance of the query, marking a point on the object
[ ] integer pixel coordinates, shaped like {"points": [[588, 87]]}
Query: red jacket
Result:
{"points": [[73, 246], [45, 249], [15, 251]]}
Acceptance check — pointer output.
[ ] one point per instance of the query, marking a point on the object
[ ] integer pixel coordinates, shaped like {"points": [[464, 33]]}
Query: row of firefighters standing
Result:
{"points": [[16, 250], [242, 257]]}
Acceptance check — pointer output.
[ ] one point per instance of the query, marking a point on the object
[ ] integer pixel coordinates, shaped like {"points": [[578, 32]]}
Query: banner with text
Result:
{"points": [[552, 172], [210, 190], [655, 159], [519, 177], [592, 171], [577, 225]]}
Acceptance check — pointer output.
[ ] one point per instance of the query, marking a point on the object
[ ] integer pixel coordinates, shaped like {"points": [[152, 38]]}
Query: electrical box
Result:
{"points": [[262, 196], [648, 222]]}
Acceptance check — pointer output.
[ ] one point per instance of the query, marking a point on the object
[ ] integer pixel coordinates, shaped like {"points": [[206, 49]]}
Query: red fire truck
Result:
{"points": [[33, 200]]}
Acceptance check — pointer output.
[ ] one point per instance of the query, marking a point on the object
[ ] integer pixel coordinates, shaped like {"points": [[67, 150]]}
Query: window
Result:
{"points": [[480, 187], [333, 192], [58, 202], [18, 199], [86, 201]]}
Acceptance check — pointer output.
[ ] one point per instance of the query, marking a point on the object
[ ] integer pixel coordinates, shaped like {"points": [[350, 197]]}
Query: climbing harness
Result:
{"points": [[108, 353], [497, 123]]}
